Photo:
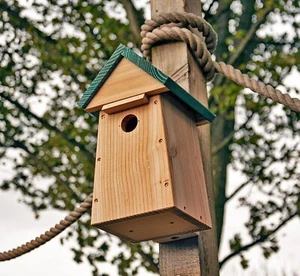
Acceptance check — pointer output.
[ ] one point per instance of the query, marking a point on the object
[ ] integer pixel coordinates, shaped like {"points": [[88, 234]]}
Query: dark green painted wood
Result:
{"points": [[122, 51], [188, 99]]}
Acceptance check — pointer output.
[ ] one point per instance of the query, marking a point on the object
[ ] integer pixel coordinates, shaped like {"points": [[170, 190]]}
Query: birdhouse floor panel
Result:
{"points": [[164, 226]]}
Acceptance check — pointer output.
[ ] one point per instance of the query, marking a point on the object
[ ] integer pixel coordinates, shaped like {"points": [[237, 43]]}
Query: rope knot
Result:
{"points": [[187, 27], [202, 39]]}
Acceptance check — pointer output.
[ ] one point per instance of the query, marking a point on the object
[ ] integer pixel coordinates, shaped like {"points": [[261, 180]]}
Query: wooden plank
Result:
{"points": [[164, 226], [185, 258], [185, 69], [132, 166], [188, 179], [126, 80], [125, 104]]}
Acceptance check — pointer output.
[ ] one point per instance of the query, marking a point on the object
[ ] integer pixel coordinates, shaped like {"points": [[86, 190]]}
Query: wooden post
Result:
{"points": [[192, 256]]}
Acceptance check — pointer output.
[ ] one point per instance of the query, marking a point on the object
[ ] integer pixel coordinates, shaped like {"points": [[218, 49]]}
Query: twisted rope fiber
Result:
{"points": [[181, 27], [50, 234]]}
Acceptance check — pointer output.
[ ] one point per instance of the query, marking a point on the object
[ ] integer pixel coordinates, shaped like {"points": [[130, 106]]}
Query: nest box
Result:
{"points": [[149, 182]]}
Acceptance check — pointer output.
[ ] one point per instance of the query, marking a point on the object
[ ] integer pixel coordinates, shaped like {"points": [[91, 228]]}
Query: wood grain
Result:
{"points": [[147, 180], [188, 178], [185, 261], [133, 166], [124, 104], [126, 80], [127, 74], [187, 73]]}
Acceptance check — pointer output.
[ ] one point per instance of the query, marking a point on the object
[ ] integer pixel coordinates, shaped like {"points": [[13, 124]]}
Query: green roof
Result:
{"points": [[124, 52]]}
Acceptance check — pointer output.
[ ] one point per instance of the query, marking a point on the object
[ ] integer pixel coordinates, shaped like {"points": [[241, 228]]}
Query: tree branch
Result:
{"points": [[224, 143], [242, 45], [237, 190], [261, 239], [223, 16], [22, 22], [46, 124], [146, 257], [135, 18], [229, 137], [21, 145], [250, 35]]}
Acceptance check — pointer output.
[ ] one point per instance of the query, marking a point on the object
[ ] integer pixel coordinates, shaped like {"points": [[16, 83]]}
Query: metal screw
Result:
{"points": [[98, 159], [156, 101], [160, 140], [166, 184], [96, 200], [102, 116]]}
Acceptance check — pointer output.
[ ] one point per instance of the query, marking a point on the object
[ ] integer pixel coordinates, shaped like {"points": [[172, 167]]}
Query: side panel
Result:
{"points": [[132, 174], [189, 187]]}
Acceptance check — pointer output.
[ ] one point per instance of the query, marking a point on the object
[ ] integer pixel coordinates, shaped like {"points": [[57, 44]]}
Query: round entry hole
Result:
{"points": [[129, 123]]}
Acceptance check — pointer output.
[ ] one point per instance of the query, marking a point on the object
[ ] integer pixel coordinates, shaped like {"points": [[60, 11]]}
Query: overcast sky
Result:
{"points": [[18, 225]]}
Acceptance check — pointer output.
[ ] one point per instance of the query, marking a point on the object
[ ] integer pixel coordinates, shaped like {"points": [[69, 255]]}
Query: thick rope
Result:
{"points": [[179, 27], [50, 234]]}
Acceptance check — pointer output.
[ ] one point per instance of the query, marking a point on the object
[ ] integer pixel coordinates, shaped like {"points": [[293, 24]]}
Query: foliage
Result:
{"points": [[51, 50]]}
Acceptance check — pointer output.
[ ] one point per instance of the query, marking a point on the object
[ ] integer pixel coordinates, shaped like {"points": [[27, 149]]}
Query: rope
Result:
{"points": [[50, 234], [181, 27]]}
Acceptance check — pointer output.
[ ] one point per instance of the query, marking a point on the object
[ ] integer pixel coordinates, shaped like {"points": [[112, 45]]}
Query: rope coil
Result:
{"points": [[179, 27]]}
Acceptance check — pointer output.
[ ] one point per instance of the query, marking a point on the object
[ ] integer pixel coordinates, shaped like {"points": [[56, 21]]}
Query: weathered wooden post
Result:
{"points": [[191, 256]]}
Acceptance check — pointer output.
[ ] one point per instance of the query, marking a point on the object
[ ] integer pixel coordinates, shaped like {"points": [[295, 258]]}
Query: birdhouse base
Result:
{"points": [[161, 226]]}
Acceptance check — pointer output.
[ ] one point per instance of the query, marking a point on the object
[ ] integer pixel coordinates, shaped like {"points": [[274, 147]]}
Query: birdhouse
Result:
{"points": [[149, 182]]}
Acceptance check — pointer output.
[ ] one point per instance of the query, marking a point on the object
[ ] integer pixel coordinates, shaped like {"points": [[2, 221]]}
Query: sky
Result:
{"points": [[18, 225]]}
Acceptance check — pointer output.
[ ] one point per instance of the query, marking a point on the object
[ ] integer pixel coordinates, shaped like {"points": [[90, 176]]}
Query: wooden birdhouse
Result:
{"points": [[149, 181]]}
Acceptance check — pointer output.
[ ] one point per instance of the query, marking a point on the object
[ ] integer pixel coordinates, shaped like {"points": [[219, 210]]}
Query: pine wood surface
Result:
{"points": [[127, 162], [149, 183], [174, 258], [126, 80], [125, 104], [185, 160]]}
